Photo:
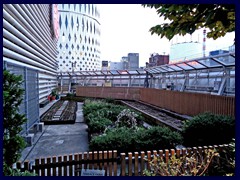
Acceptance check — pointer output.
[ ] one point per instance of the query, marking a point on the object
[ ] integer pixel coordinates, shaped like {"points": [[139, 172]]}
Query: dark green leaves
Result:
{"points": [[187, 18]]}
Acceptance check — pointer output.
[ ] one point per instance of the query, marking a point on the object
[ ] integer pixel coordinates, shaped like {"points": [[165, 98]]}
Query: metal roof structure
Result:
{"points": [[210, 62]]}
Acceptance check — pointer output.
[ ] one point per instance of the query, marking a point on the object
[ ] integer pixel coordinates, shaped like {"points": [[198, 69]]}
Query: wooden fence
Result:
{"points": [[180, 102], [134, 164]]}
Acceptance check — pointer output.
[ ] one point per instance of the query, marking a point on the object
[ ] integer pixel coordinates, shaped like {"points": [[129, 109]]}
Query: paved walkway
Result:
{"points": [[59, 139]]}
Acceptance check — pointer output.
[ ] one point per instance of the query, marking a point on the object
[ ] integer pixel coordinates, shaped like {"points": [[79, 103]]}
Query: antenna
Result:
{"points": [[204, 42]]}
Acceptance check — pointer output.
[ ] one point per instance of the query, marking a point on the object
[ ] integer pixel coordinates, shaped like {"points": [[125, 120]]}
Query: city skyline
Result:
{"points": [[125, 29]]}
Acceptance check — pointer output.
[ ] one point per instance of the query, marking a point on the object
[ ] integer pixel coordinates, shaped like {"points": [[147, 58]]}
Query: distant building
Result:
{"points": [[116, 65], [133, 61], [158, 60], [105, 65], [125, 62], [185, 51]]}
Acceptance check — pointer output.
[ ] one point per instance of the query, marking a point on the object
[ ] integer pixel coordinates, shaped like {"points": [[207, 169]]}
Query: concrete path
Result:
{"points": [[59, 139]]}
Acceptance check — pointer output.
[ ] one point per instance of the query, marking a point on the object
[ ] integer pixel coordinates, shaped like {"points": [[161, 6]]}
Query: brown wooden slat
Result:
{"points": [[166, 155], [26, 166], [110, 164], [95, 154], [43, 169], [100, 158], [60, 167], [54, 159], [76, 167], [85, 158], [136, 164], [48, 168], [65, 167], [149, 159], [37, 167], [19, 165], [70, 166], [130, 164], [90, 158], [123, 164], [142, 162], [115, 163]]}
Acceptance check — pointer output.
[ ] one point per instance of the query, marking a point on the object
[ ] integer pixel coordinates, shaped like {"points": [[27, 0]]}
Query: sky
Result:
{"points": [[125, 29]]}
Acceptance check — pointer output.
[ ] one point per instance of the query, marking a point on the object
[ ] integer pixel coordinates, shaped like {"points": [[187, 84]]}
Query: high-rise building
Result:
{"points": [[158, 60], [79, 43], [133, 61]]}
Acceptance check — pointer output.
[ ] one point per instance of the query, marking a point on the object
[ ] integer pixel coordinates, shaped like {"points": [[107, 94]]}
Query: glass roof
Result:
{"points": [[196, 64], [224, 60]]}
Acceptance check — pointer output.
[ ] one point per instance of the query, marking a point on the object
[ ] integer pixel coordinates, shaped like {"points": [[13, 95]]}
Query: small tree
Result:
{"points": [[13, 143]]}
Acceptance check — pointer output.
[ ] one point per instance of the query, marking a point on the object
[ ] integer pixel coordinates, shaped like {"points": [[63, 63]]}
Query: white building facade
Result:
{"points": [[79, 38]]}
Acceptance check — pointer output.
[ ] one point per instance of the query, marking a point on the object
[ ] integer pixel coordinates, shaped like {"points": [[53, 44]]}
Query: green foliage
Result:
{"points": [[195, 165], [224, 164], [186, 18], [126, 139], [120, 139], [98, 125], [157, 138], [13, 143], [208, 129], [17, 172]]}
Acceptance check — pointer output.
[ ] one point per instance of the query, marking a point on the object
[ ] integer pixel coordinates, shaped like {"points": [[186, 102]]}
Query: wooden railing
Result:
{"points": [[186, 103], [132, 164]]}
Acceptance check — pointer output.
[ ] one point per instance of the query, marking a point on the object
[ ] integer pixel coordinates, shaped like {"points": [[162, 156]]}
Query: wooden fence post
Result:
{"points": [[26, 166], [48, 168], [95, 157], [65, 167], [42, 169], [37, 167], [70, 165], [90, 158], [105, 153], [59, 167], [85, 158], [110, 155], [123, 164], [149, 159], [54, 163], [129, 164], [136, 164], [142, 162], [166, 155], [115, 162]]}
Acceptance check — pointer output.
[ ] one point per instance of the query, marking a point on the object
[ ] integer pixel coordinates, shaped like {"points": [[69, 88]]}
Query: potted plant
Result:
{"points": [[53, 94]]}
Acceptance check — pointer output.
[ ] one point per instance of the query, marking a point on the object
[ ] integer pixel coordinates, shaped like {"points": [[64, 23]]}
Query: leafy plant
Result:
{"points": [[208, 129], [126, 139], [17, 172], [194, 165], [13, 143], [224, 164], [156, 138], [186, 18], [98, 125]]}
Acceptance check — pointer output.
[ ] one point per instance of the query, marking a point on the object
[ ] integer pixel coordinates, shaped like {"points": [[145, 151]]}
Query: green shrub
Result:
{"points": [[120, 139], [208, 129], [98, 125], [125, 139], [13, 142], [157, 138]]}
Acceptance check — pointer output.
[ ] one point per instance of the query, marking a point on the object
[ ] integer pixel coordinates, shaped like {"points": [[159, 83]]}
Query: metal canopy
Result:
{"points": [[219, 61], [103, 73], [223, 60]]}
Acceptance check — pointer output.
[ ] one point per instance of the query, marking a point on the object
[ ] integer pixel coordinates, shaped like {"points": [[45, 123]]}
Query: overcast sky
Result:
{"points": [[125, 29]]}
